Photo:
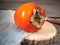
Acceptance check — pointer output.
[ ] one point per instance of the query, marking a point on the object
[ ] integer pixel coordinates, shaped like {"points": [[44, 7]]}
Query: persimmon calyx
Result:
{"points": [[36, 18]]}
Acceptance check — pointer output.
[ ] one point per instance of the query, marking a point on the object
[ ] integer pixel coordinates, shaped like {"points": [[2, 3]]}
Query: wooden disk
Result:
{"points": [[46, 32]]}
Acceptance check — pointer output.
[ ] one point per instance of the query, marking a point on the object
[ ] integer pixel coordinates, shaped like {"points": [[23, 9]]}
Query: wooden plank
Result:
{"points": [[26, 0], [51, 7]]}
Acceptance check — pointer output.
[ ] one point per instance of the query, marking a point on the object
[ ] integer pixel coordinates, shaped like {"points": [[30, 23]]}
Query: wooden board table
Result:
{"points": [[52, 8]]}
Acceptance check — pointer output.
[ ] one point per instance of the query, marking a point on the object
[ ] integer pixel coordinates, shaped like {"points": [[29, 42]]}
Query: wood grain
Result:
{"points": [[51, 7]]}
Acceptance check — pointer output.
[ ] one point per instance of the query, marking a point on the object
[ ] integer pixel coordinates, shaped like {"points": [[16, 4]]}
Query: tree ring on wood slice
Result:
{"points": [[45, 34]]}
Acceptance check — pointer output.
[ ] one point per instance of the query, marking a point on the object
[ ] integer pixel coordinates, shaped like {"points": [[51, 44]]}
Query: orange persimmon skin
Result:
{"points": [[23, 14]]}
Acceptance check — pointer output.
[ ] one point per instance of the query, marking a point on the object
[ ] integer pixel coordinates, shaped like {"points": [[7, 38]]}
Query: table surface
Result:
{"points": [[52, 8]]}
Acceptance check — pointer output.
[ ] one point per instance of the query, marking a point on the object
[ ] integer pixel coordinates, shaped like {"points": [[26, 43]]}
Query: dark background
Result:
{"points": [[51, 7]]}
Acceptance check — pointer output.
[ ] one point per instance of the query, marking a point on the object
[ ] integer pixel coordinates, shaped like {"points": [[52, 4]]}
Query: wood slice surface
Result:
{"points": [[47, 32]]}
